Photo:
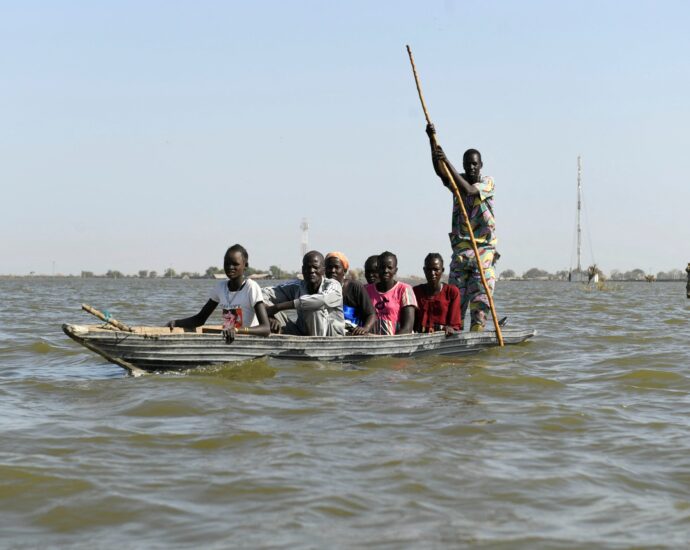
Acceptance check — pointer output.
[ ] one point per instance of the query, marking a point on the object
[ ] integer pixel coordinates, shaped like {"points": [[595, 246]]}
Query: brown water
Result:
{"points": [[576, 439]]}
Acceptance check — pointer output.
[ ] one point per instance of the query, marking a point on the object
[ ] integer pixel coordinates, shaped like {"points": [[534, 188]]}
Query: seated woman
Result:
{"points": [[438, 303], [241, 300], [393, 301], [357, 306]]}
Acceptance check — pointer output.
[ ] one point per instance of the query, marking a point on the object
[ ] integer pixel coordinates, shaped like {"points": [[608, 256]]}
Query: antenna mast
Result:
{"points": [[304, 226], [579, 208]]}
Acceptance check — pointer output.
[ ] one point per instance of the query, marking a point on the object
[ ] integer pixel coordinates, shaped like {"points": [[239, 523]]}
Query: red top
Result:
{"points": [[436, 312]]}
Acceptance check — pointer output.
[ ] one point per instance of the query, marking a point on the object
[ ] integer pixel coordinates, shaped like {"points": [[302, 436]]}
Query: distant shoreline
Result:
{"points": [[409, 279]]}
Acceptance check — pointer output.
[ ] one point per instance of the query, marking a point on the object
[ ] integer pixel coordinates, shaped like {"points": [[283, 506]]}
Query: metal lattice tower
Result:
{"points": [[304, 226], [579, 208]]}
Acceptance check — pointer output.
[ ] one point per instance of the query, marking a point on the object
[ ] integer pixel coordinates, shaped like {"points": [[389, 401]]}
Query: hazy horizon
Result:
{"points": [[420, 275]]}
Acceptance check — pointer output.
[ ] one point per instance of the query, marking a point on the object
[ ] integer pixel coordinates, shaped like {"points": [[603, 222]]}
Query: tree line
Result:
{"points": [[616, 275], [273, 272]]}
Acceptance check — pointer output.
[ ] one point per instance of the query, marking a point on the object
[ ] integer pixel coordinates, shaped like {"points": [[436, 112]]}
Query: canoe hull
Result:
{"points": [[150, 349]]}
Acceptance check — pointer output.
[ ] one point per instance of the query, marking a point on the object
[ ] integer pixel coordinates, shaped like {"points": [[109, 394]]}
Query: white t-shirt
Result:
{"points": [[238, 306]]}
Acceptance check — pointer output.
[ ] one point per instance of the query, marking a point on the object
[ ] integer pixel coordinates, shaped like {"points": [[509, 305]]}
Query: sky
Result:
{"points": [[153, 134]]}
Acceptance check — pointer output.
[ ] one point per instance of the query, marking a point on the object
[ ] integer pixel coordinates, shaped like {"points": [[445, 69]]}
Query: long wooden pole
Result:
{"points": [[468, 225], [103, 317]]}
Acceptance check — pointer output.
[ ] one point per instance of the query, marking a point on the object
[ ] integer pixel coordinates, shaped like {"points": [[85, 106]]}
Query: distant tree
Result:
{"points": [[561, 275], [211, 271], [615, 275], [508, 274], [153, 274], [535, 273], [636, 275], [170, 273], [278, 273], [356, 274], [676, 274], [673, 275], [143, 273], [86, 274], [633, 275], [114, 274]]}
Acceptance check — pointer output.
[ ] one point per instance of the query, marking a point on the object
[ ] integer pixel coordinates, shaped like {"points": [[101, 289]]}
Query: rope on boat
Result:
{"points": [[107, 318]]}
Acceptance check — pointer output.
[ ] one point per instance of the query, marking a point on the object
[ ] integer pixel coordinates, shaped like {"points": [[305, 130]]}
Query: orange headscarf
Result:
{"points": [[341, 257]]}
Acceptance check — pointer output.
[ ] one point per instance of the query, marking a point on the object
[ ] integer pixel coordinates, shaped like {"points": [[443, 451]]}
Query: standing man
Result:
{"points": [[318, 301], [687, 287], [477, 193]]}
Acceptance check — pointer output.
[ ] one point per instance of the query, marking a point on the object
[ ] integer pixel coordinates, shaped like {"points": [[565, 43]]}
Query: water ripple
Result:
{"points": [[577, 439]]}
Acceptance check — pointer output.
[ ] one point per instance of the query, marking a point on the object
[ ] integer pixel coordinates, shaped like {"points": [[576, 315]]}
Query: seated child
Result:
{"points": [[371, 269], [393, 301], [438, 304], [241, 299]]}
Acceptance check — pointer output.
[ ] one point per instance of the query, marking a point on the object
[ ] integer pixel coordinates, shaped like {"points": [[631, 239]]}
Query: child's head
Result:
{"points": [[235, 261], [371, 269], [388, 266], [433, 267]]}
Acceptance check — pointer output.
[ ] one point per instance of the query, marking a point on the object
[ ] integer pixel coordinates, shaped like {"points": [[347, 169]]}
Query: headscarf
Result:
{"points": [[341, 257]]}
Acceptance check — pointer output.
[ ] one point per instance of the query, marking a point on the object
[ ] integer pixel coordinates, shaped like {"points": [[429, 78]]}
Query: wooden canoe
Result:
{"points": [[148, 349]]}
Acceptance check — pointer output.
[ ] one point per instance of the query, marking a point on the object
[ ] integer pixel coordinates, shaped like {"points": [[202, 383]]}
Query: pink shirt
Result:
{"points": [[389, 305]]}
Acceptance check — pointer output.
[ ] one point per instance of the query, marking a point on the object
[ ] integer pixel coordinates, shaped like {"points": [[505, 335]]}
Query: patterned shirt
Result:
{"points": [[480, 209]]}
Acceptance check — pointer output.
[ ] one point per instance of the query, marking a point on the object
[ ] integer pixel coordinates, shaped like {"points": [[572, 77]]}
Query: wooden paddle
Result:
{"points": [[117, 324], [468, 226]]}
